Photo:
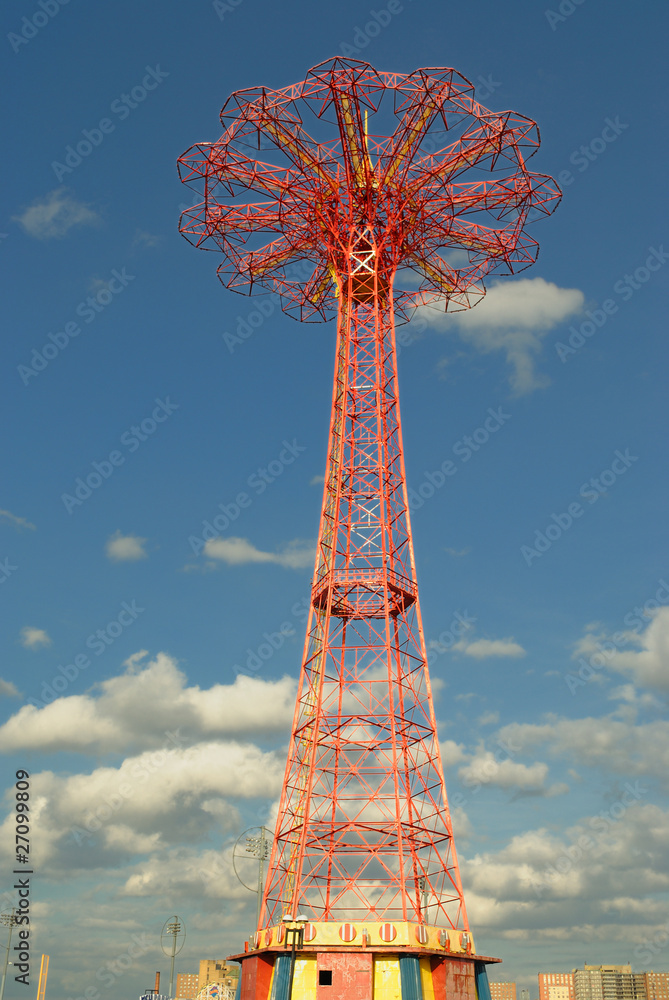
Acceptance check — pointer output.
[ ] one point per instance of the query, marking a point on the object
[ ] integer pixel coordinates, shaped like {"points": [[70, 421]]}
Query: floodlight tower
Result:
{"points": [[363, 872]]}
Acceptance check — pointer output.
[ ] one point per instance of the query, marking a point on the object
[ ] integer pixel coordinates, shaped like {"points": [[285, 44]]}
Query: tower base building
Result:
{"points": [[377, 961]]}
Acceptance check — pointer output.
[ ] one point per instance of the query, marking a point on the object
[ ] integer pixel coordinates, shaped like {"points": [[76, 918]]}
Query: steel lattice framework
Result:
{"points": [[364, 831]]}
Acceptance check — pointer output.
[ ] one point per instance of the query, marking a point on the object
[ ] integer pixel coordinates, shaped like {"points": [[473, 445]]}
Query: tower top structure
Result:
{"points": [[405, 190]]}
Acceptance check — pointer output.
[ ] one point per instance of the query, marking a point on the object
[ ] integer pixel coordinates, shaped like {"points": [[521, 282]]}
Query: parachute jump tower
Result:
{"points": [[360, 178]]}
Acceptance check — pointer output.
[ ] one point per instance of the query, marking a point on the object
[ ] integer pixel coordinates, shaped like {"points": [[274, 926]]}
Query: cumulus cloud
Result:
{"points": [[34, 638], [614, 745], [646, 663], [451, 752], [297, 554], [462, 827], [482, 649], [53, 216], [134, 710], [560, 882], [18, 522], [187, 871], [629, 695], [125, 548], [7, 689], [144, 239], [485, 769], [514, 317], [178, 794]]}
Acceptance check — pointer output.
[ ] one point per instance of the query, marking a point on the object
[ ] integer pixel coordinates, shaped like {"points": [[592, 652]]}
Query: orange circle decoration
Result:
{"points": [[309, 932], [347, 932], [268, 938], [257, 939], [388, 932], [421, 934], [280, 933]]}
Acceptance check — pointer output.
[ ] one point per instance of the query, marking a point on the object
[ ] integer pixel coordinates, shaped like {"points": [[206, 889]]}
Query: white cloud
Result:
{"points": [[646, 665], [150, 802], [136, 708], [54, 215], [125, 548], [485, 769], [514, 317], [629, 695], [488, 719], [481, 649], [462, 827], [144, 239], [451, 752], [208, 872], [615, 745], [34, 638], [18, 522], [297, 554], [7, 689], [317, 480], [559, 883]]}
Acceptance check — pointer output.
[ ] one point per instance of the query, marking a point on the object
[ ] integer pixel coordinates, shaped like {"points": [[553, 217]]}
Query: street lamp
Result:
{"points": [[294, 936], [9, 920], [171, 929], [259, 848]]}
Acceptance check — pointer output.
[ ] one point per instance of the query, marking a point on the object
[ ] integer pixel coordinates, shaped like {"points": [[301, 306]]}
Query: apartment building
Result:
{"points": [[505, 991]]}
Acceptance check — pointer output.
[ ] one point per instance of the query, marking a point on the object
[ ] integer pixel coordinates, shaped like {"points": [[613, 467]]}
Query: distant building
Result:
{"points": [[604, 982], [224, 973], [187, 985], [503, 991], [657, 985], [609, 982], [556, 986], [211, 971]]}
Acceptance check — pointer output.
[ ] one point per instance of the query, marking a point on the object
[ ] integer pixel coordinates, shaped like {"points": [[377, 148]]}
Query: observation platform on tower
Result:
{"points": [[362, 592]]}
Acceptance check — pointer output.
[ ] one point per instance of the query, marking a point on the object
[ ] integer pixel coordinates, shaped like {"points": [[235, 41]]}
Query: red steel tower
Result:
{"points": [[367, 225]]}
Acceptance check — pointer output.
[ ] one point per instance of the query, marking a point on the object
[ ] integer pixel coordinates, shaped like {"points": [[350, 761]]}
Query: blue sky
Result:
{"points": [[180, 419]]}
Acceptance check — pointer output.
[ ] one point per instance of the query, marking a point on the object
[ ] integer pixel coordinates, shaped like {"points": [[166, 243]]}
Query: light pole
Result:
{"points": [[171, 929], [259, 848], [294, 929], [9, 920]]}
